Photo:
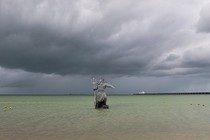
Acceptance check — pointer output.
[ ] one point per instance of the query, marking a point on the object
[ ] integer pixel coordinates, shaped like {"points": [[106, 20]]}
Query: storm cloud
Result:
{"points": [[204, 20], [154, 38]]}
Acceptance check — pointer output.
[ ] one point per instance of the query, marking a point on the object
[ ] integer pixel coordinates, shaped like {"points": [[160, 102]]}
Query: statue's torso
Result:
{"points": [[101, 95], [101, 87]]}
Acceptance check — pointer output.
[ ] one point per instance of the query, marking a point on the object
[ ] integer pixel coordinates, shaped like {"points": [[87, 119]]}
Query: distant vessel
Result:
{"points": [[142, 92], [139, 93]]}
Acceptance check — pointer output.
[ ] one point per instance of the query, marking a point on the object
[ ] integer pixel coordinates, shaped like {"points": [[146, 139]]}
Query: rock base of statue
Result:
{"points": [[102, 105], [105, 107]]}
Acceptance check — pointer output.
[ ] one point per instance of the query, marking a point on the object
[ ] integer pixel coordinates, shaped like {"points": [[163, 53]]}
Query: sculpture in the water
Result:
{"points": [[101, 98]]}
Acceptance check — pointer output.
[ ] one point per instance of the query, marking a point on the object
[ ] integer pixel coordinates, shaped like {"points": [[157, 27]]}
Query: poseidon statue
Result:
{"points": [[101, 97]]}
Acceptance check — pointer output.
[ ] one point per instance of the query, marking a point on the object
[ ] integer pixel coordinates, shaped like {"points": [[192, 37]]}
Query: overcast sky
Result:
{"points": [[57, 46]]}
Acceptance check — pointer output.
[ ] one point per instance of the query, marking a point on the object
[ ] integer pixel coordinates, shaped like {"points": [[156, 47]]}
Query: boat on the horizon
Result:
{"points": [[139, 93]]}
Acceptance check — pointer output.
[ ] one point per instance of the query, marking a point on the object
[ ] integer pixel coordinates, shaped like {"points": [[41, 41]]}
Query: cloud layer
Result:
{"points": [[95, 37]]}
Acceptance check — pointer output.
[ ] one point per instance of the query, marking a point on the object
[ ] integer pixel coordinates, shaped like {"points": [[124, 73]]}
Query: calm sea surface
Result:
{"points": [[152, 117]]}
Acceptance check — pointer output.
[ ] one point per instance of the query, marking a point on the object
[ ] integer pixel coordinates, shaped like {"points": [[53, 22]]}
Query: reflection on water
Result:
{"points": [[173, 117]]}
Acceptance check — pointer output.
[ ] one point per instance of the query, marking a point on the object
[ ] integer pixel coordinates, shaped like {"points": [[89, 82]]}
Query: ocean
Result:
{"points": [[141, 117]]}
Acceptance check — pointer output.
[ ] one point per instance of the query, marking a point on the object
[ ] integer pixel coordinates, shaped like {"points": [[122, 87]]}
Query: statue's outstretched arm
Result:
{"points": [[109, 85]]}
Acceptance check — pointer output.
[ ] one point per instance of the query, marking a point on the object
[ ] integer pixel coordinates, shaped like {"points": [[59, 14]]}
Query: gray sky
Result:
{"points": [[50, 46]]}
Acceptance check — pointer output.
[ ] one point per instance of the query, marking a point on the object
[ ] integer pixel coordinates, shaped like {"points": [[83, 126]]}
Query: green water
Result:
{"points": [[160, 117]]}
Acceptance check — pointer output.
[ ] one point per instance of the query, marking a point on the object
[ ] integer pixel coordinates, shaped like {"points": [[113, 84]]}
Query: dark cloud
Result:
{"points": [[42, 45], [117, 38], [203, 24], [19, 81]]}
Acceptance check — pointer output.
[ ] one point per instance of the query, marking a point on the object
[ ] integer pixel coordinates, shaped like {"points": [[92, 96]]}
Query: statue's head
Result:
{"points": [[101, 80]]}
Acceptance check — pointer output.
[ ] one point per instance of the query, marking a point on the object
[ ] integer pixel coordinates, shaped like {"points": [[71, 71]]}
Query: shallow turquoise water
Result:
{"points": [[160, 117]]}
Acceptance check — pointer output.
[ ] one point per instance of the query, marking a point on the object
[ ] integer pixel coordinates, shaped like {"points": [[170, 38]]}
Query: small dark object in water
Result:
{"points": [[190, 104], [198, 104], [203, 105]]}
